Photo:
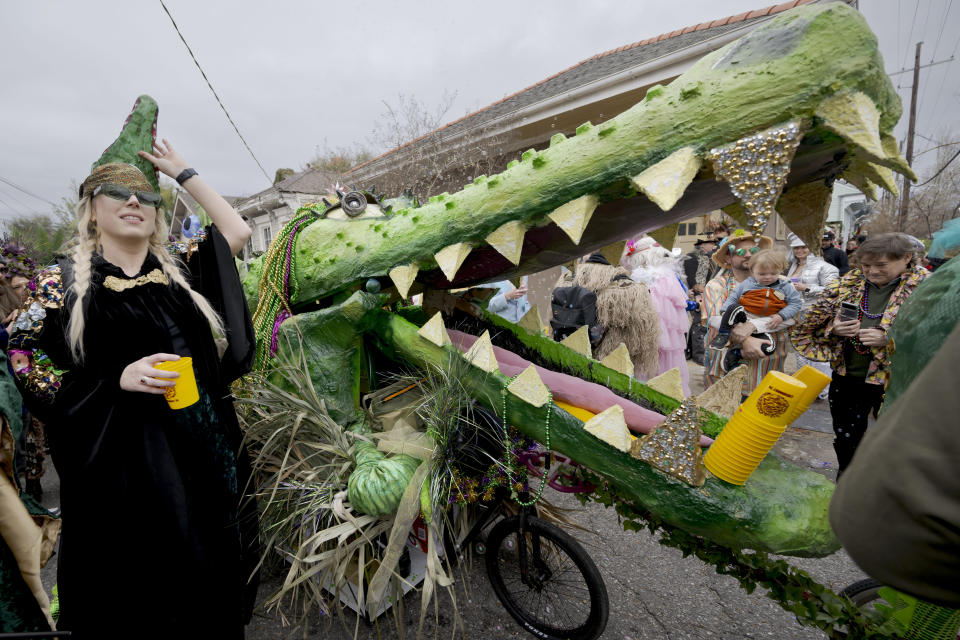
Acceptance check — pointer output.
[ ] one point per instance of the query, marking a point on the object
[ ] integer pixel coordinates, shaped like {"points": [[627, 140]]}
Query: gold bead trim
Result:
{"points": [[756, 168], [120, 284]]}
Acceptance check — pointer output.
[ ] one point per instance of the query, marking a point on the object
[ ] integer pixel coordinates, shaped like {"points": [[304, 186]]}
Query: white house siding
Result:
{"points": [[843, 196]]}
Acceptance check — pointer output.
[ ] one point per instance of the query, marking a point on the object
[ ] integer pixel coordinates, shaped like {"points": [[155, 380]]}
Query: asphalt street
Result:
{"points": [[654, 592]]}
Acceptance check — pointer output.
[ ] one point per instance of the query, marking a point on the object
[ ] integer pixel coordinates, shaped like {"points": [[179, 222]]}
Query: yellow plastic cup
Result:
{"points": [[760, 428], [754, 428], [728, 458], [741, 437], [742, 466], [725, 469], [185, 392], [757, 439], [724, 465], [774, 400], [816, 382], [754, 451], [761, 433]]}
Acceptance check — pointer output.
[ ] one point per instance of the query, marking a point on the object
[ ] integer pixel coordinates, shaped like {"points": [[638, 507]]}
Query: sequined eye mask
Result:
{"points": [[119, 173]]}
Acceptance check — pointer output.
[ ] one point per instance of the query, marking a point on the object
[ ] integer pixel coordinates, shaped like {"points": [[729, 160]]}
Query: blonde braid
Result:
{"points": [[81, 256]]}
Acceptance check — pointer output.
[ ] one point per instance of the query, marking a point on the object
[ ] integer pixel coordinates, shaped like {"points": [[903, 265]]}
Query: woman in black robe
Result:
{"points": [[155, 541]]}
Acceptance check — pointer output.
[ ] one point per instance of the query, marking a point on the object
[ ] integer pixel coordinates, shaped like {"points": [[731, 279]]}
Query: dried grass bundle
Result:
{"points": [[626, 311]]}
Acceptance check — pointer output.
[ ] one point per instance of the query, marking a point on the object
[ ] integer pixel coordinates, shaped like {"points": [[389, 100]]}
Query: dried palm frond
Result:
{"points": [[302, 460], [445, 407]]}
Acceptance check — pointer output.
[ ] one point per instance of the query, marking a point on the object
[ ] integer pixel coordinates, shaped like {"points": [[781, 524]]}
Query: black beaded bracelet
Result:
{"points": [[185, 175]]}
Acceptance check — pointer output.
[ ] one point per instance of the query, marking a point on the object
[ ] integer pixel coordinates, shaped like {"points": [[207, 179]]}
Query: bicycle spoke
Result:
{"points": [[559, 596], [557, 607]]}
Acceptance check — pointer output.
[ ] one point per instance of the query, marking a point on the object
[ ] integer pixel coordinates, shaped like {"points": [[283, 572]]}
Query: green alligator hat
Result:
{"points": [[138, 134]]}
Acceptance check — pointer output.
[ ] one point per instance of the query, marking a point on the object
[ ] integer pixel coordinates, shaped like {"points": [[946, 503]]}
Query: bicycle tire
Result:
{"points": [[573, 577], [863, 592]]}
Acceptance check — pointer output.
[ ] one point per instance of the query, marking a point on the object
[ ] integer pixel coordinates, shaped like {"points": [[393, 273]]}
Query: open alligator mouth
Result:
{"points": [[820, 158], [755, 127], [765, 124]]}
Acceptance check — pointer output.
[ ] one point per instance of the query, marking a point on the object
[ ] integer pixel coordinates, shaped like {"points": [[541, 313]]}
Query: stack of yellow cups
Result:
{"points": [[816, 381], [755, 427]]}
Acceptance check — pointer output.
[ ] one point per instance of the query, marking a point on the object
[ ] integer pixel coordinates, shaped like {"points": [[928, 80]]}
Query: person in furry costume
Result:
{"points": [[626, 311], [658, 269]]}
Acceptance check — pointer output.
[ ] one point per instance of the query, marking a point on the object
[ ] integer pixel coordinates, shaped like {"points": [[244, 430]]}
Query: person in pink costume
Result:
{"points": [[657, 268]]}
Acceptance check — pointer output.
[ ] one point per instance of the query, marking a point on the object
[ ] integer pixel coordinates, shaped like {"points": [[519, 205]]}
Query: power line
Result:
{"points": [[18, 201], [941, 169], [898, 35], [220, 102], [934, 148], [926, 18], [943, 23], [909, 35], [936, 102], [8, 206], [32, 195]]}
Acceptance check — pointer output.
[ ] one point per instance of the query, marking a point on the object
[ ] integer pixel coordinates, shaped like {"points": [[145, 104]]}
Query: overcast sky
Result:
{"points": [[296, 73]]}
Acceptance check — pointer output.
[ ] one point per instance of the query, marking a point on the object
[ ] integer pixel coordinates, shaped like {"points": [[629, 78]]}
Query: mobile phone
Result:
{"points": [[849, 311]]}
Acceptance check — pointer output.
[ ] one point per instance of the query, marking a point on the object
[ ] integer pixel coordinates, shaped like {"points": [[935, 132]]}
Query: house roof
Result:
{"points": [[313, 181], [191, 204], [599, 66], [309, 181]]}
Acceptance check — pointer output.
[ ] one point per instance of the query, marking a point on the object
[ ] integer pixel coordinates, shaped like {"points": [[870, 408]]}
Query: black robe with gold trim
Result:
{"points": [[155, 541]]}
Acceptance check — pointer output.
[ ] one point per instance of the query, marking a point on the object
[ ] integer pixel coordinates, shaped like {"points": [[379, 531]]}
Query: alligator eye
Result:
{"points": [[353, 203]]}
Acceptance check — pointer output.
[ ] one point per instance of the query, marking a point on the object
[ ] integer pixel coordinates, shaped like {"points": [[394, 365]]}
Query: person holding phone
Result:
{"points": [[509, 302], [847, 327]]}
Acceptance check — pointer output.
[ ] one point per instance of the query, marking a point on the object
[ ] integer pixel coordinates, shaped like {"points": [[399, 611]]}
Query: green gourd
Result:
{"points": [[378, 482], [426, 504]]}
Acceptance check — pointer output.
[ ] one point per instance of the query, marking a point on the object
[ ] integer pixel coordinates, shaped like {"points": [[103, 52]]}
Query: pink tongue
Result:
{"points": [[572, 390]]}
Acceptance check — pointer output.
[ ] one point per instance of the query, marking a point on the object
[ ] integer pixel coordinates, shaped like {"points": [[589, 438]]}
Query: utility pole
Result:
{"points": [[905, 196]]}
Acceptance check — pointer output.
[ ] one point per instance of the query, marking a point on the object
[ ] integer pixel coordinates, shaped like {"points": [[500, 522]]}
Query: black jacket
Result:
{"points": [[838, 258]]}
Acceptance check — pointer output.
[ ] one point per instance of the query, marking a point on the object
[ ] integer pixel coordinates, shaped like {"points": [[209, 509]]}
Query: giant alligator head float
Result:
{"points": [[765, 123]]}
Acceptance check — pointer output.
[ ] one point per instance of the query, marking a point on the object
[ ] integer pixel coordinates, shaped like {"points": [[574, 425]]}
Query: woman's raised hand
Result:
{"points": [[165, 158], [141, 376], [228, 221]]}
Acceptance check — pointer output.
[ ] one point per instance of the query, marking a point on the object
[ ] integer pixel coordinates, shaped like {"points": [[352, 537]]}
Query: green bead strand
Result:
{"points": [[511, 468]]}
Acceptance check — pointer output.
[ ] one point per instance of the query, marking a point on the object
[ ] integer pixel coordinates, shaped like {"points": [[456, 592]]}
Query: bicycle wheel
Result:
{"points": [[863, 592], [563, 598]]}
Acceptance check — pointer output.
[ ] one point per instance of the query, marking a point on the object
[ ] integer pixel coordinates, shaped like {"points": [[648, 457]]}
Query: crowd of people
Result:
{"points": [[86, 337], [752, 304], [834, 314]]}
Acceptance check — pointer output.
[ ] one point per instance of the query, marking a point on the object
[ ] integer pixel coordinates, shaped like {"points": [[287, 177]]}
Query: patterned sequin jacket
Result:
{"points": [[813, 337]]}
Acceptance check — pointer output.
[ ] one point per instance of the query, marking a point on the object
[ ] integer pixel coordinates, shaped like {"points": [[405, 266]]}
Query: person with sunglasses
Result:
{"points": [[156, 541], [733, 257], [766, 299]]}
